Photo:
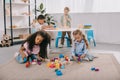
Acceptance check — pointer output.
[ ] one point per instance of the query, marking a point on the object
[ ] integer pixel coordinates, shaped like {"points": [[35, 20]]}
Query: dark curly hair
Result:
{"points": [[43, 45]]}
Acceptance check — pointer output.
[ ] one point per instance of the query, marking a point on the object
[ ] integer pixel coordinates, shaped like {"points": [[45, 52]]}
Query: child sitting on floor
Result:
{"points": [[80, 47], [34, 47]]}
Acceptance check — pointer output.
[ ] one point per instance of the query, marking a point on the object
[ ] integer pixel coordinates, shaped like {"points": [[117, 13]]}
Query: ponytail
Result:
{"points": [[86, 42]]}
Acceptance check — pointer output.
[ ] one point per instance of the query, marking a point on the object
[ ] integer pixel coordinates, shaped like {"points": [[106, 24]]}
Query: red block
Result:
{"points": [[27, 64]]}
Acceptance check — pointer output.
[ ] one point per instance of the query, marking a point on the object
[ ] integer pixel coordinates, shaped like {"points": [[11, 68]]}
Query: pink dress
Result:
{"points": [[35, 50]]}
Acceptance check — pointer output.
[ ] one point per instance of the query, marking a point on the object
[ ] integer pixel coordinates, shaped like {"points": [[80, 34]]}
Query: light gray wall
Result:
{"points": [[106, 25]]}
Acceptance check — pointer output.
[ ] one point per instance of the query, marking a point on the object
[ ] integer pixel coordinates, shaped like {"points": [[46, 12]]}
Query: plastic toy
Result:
{"points": [[92, 68], [56, 70], [96, 69], [79, 59], [39, 62], [52, 60], [56, 61], [66, 58], [61, 56], [27, 64], [59, 73], [48, 64], [62, 67], [57, 65], [52, 65], [62, 59]]}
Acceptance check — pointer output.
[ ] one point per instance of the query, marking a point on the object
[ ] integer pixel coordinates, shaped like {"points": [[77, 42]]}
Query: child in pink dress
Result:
{"points": [[34, 47]]}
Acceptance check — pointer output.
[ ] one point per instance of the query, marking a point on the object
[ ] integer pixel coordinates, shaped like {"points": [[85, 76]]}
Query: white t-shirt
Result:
{"points": [[37, 26]]}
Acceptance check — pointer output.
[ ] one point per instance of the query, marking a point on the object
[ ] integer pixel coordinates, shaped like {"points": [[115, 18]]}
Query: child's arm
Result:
{"points": [[74, 58], [82, 56], [68, 18], [47, 27], [22, 52]]}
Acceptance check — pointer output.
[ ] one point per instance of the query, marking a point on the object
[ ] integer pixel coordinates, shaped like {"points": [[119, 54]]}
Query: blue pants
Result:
{"points": [[20, 60]]}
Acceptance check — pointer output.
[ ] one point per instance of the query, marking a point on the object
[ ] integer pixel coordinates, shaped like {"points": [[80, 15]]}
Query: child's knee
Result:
{"points": [[20, 60]]}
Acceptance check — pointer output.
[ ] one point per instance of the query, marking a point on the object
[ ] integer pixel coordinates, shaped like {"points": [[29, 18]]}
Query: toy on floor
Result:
{"points": [[27, 64], [5, 42], [94, 69], [62, 67], [39, 62], [61, 56], [56, 70], [59, 63], [59, 73], [79, 60]]}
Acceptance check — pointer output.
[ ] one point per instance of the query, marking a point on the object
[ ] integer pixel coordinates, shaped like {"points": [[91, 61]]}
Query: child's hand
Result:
{"points": [[82, 56], [67, 18], [75, 58], [22, 52], [23, 56], [41, 59]]}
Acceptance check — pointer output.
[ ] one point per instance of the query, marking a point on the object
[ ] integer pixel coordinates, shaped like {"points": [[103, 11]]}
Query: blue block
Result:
{"points": [[59, 73], [62, 67], [61, 56], [56, 70], [92, 68]]}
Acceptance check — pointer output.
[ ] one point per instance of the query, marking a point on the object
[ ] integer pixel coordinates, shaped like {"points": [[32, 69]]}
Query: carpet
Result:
{"points": [[109, 69]]}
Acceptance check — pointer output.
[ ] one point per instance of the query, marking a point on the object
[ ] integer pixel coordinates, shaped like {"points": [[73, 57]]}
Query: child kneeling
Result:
{"points": [[34, 47]]}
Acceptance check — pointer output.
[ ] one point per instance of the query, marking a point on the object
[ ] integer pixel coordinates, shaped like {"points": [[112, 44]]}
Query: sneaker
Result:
{"points": [[85, 59], [34, 62], [60, 46]]}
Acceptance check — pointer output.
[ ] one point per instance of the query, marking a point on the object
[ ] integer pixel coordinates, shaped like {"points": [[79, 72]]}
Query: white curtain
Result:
{"points": [[57, 6], [82, 6], [106, 6]]}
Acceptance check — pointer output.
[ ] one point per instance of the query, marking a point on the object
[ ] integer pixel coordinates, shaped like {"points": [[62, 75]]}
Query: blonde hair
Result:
{"points": [[81, 34], [67, 8]]}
